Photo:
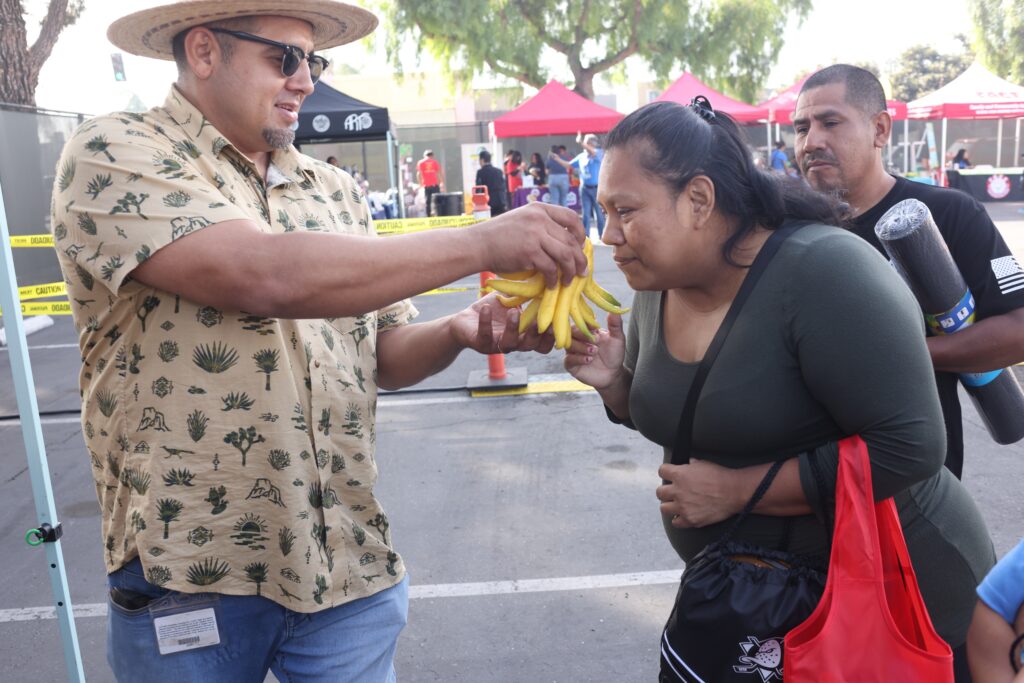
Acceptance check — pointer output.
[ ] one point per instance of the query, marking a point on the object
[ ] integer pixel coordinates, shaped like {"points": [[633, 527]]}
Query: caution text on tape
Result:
{"points": [[42, 291], [32, 241], [45, 308]]}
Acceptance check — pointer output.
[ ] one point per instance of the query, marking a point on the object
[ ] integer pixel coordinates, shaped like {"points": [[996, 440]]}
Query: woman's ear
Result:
{"points": [[701, 195]]}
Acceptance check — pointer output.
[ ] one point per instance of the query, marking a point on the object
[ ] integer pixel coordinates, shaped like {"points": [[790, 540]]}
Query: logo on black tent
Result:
{"points": [[358, 122], [321, 123]]}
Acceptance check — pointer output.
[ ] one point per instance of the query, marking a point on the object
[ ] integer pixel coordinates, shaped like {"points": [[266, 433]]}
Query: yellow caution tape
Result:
{"points": [[396, 226], [46, 308], [32, 241], [400, 226], [42, 291]]}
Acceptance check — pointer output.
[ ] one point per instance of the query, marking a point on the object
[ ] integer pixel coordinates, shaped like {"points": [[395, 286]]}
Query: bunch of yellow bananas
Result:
{"points": [[555, 307]]}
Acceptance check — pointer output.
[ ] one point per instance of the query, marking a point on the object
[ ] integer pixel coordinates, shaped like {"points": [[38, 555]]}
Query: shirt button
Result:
{"points": [[316, 364]]}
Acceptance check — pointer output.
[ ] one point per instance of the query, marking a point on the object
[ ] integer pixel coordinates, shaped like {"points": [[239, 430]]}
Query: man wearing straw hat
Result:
{"points": [[236, 316]]}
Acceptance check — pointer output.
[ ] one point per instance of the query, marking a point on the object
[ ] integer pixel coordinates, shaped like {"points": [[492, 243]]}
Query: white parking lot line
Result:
{"points": [[428, 591]]}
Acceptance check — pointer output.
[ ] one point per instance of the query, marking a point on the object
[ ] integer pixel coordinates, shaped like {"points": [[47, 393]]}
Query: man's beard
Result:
{"points": [[279, 138]]}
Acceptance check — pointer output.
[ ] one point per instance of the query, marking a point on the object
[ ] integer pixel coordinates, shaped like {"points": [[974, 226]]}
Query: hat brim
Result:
{"points": [[150, 32]]}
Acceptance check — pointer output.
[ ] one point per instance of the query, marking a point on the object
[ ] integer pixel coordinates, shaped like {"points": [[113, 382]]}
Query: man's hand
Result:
{"points": [[537, 236], [488, 327], [698, 494]]}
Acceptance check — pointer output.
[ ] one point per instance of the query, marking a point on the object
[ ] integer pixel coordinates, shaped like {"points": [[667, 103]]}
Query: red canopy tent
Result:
{"points": [[977, 93], [688, 86], [555, 110]]}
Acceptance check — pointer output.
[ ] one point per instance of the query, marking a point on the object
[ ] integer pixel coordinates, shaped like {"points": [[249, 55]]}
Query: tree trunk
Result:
{"points": [[19, 64], [17, 84], [584, 83]]}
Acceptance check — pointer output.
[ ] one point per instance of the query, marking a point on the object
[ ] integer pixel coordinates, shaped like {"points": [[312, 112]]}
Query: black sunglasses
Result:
{"points": [[291, 57]]}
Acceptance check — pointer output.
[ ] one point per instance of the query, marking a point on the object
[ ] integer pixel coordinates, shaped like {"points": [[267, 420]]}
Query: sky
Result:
{"points": [[79, 76]]}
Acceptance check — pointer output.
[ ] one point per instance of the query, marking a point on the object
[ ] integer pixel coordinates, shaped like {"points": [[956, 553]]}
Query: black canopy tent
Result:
{"points": [[329, 115]]}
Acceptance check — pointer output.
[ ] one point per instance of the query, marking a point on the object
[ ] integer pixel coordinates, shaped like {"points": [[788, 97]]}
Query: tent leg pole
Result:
{"points": [[768, 151], [32, 433], [942, 155], [999, 143], [1016, 146], [392, 184], [906, 146]]}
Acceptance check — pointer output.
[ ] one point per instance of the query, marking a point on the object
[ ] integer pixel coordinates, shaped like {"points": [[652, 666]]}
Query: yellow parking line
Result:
{"points": [[556, 386]]}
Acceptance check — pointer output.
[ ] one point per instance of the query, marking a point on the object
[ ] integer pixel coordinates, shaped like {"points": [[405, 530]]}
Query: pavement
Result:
{"points": [[528, 523]]}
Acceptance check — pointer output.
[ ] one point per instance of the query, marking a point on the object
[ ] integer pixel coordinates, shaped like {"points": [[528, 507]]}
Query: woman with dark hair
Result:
{"points": [[537, 169], [513, 171], [961, 160], [830, 343]]}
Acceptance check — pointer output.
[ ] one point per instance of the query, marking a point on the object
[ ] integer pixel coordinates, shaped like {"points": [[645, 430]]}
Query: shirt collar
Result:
{"points": [[286, 165]]}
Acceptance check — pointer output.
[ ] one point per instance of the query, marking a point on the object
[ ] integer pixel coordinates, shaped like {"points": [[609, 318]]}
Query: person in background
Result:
{"points": [[537, 170], [842, 123], [780, 161], [494, 180], [431, 177], [558, 178], [333, 161], [237, 318], [513, 171], [588, 165], [995, 642], [961, 160]]}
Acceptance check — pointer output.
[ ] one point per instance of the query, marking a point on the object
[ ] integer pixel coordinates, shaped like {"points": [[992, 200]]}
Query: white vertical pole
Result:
{"points": [[999, 144], [1016, 147], [906, 146], [32, 433], [942, 155], [768, 127]]}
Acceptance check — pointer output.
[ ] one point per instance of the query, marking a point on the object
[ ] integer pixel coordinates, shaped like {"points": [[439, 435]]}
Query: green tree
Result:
{"points": [[21, 63], [731, 44], [923, 69], [999, 36]]}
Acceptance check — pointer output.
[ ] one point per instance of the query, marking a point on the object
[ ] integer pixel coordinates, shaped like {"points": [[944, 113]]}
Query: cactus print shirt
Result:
{"points": [[232, 453]]}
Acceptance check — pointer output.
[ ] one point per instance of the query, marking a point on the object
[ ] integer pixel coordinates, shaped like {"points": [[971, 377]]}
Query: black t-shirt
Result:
{"points": [[983, 259], [494, 179]]}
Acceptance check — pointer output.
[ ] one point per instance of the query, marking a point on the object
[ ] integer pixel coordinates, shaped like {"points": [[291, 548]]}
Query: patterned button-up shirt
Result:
{"points": [[232, 453]]}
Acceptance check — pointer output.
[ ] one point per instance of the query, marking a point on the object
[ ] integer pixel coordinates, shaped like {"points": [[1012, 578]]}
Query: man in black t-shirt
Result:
{"points": [[494, 179], [842, 123]]}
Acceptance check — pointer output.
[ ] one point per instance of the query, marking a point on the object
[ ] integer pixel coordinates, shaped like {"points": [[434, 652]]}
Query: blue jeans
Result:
{"points": [[352, 642], [558, 186], [590, 204]]}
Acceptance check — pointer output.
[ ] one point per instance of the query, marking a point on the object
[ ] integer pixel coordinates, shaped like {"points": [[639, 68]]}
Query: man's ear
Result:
{"points": [[701, 195], [881, 124], [202, 51]]}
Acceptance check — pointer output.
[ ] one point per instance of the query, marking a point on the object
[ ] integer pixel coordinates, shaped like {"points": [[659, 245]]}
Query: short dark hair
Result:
{"points": [[779, 144], [249, 24], [485, 156], [676, 144], [863, 89]]}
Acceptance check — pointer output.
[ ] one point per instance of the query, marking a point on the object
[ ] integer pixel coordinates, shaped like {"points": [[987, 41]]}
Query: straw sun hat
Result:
{"points": [[149, 33]]}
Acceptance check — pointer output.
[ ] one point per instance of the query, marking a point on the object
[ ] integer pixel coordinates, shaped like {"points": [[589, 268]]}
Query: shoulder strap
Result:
{"points": [[684, 431]]}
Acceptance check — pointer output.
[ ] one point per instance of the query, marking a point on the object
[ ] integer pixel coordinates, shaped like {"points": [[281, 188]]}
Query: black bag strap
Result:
{"points": [[684, 431]]}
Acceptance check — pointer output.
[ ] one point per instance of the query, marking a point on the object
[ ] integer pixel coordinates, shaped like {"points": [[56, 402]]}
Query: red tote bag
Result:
{"points": [[871, 623]]}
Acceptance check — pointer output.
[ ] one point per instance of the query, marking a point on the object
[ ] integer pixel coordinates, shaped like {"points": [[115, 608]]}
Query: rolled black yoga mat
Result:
{"points": [[920, 255]]}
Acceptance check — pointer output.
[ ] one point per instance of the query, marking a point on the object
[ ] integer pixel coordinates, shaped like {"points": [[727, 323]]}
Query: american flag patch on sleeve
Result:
{"points": [[1009, 274]]}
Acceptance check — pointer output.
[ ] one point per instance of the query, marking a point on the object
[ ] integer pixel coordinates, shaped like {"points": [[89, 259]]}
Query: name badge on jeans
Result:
{"points": [[188, 624]]}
